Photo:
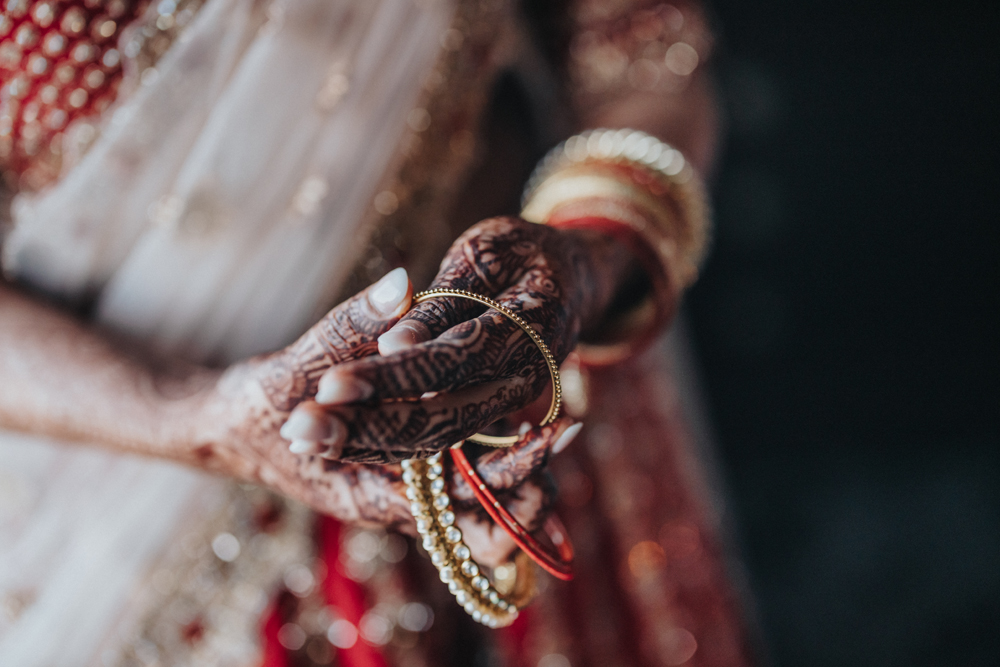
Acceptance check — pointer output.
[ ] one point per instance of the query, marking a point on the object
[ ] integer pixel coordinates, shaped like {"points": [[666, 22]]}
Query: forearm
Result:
{"points": [[61, 378]]}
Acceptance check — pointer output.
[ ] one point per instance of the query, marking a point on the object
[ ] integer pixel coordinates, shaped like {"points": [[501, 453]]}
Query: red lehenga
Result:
{"points": [[653, 585]]}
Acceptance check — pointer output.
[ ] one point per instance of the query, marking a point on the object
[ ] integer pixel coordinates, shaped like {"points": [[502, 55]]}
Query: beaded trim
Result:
{"points": [[200, 605]]}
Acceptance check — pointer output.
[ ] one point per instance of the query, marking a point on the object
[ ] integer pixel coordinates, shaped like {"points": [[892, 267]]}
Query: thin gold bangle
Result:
{"points": [[550, 360]]}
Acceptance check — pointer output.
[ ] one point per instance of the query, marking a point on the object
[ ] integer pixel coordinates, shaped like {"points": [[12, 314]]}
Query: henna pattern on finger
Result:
{"points": [[545, 275], [393, 431], [538, 272], [506, 468], [348, 332]]}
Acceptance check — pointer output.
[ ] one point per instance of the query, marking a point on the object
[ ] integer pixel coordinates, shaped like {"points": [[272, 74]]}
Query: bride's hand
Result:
{"points": [[255, 398], [450, 366]]}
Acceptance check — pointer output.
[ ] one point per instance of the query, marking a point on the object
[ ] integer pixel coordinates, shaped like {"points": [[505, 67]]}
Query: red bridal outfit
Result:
{"points": [[211, 176]]}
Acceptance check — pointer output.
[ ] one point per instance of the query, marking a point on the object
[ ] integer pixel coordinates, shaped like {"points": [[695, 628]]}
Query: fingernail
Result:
{"points": [[398, 338], [566, 437], [336, 387], [525, 427], [388, 293], [338, 434], [333, 451], [304, 447], [302, 425]]}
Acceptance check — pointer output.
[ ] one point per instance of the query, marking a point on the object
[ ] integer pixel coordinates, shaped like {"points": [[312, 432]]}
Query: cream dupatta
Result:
{"points": [[222, 204]]}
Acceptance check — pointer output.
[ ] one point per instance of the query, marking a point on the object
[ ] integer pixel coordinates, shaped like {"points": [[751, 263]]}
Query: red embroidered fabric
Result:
{"points": [[59, 62]]}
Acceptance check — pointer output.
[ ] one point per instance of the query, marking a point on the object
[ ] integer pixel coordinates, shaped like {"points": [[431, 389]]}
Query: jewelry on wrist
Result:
{"points": [[559, 564], [550, 361], [631, 158], [640, 190], [431, 507]]}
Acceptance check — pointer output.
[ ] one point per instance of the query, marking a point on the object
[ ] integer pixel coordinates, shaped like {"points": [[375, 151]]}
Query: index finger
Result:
{"points": [[347, 332]]}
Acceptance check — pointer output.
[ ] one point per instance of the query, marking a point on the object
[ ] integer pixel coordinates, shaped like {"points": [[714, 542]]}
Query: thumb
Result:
{"points": [[505, 469], [351, 330]]}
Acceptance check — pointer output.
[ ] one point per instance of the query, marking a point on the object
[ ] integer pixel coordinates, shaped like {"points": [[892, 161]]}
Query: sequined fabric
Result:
{"points": [[59, 62], [653, 587]]}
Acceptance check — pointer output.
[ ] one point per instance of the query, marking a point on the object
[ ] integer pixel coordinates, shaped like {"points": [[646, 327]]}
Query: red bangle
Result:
{"points": [[559, 565]]}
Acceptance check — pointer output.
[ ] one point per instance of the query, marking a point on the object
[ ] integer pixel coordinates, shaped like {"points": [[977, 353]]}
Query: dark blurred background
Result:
{"points": [[847, 324]]}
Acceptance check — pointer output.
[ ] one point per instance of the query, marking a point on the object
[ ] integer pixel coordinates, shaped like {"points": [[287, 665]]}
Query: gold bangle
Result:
{"points": [[550, 360], [680, 209], [640, 190], [431, 507]]}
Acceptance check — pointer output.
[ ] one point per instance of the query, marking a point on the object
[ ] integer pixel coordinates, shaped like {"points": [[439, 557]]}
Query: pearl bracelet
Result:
{"points": [[431, 506]]}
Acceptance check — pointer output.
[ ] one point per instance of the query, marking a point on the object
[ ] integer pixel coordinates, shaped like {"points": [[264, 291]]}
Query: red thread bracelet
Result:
{"points": [[559, 565]]}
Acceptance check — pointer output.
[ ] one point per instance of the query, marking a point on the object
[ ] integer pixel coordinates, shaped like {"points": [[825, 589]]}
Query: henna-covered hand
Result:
{"points": [[451, 367], [244, 421], [253, 401]]}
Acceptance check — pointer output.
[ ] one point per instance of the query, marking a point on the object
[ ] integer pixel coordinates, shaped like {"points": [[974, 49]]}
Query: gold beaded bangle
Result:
{"points": [[555, 406], [431, 507]]}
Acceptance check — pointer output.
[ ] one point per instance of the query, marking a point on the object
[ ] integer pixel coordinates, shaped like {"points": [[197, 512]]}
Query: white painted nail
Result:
{"points": [[303, 425], [333, 451], [338, 434], [304, 447], [398, 338], [566, 437], [525, 427], [388, 293], [336, 388]]}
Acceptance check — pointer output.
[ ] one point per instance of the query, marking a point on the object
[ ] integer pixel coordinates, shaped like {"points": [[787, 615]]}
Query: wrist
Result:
{"points": [[190, 419], [207, 428], [641, 298], [608, 270], [634, 188]]}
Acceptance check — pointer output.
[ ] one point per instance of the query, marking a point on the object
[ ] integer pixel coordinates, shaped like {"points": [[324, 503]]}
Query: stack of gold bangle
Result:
{"points": [[582, 167], [633, 186], [431, 506]]}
